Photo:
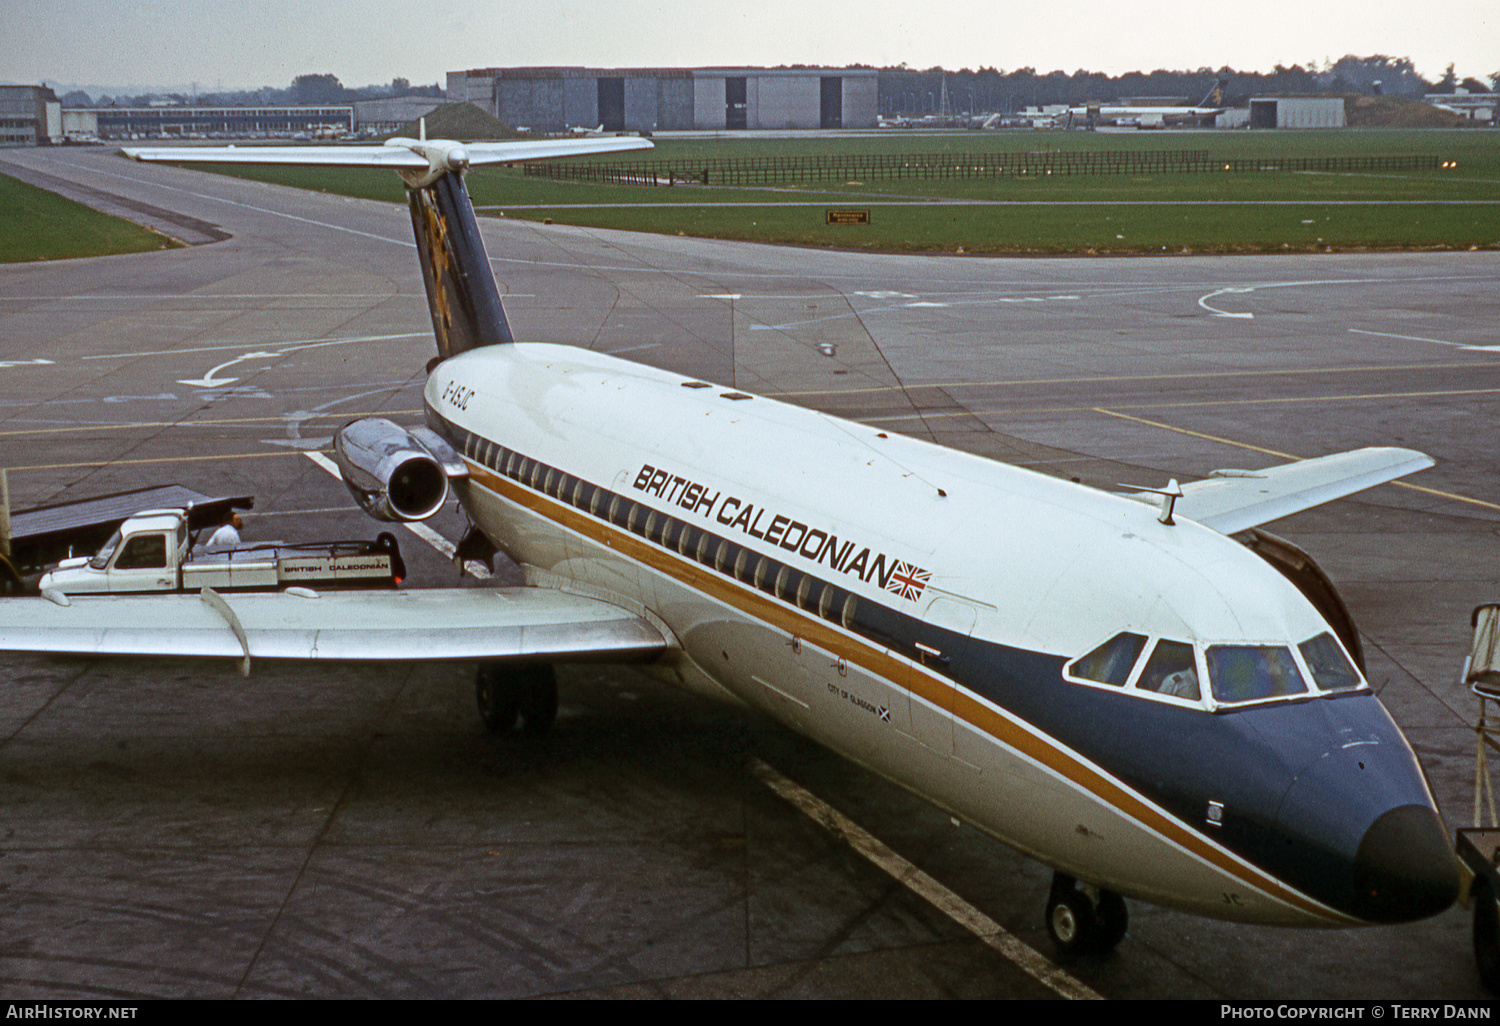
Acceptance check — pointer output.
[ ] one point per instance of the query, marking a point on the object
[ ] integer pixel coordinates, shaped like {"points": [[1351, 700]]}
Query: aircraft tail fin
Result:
{"points": [[1215, 95], [461, 292], [462, 295]]}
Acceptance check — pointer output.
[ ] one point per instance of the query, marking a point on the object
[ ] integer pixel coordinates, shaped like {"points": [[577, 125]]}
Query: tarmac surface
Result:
{"points": [[171, 829]]}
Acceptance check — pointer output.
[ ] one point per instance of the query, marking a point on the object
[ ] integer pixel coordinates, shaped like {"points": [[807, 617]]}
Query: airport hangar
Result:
{"points": [[671, 99]]}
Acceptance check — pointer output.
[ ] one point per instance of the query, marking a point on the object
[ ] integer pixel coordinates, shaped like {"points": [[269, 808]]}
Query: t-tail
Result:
{"points": [[398, 474], [462, 296]]}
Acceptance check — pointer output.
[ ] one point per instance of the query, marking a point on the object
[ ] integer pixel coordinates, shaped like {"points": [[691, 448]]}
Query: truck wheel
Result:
{"points": [[498, 696], [538, 693], [1486, 934]]}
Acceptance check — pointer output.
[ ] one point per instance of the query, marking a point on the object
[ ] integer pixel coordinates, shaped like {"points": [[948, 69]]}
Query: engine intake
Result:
{"points": [[396, 475]]}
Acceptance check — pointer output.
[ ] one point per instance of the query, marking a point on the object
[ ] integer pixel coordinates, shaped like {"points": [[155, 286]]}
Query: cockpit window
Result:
{"points": [[1172, 670], [1247, 673], [1328, 665], [1112, 661], [1237, 674]]}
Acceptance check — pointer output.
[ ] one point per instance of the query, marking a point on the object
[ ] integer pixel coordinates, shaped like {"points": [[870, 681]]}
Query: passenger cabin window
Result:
{"points": [[1248, 673], [1171, 670], [1112, 661]]}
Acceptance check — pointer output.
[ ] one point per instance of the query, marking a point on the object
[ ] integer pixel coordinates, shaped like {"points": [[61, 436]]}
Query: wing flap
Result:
{"points": [[1237, 500], [437, 624]]}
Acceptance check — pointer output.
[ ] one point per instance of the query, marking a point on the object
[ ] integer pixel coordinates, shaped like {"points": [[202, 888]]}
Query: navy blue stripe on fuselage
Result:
{"points": [[1178, 758]]}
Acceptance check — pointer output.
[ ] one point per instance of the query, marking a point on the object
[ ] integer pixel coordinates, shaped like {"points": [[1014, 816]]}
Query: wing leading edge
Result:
{"points": [[1234, 500], [526, 623]]}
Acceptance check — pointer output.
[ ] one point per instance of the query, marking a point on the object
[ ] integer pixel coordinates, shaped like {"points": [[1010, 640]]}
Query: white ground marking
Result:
{"points": [[1434, 341], [1027, 958], [1203, 302]]}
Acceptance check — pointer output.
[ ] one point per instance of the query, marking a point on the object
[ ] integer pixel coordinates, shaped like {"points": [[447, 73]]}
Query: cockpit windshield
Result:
{"points": [[1216, 676], [1248, 673]]}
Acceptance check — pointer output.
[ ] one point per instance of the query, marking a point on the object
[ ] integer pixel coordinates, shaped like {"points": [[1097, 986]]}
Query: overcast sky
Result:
{"points": [[219, 44]]}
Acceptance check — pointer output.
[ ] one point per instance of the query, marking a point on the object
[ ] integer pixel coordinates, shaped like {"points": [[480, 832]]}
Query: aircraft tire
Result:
{"points": [[538, 698], [498, 696], [1114, 920], [1486, 934], [1071, 922]]}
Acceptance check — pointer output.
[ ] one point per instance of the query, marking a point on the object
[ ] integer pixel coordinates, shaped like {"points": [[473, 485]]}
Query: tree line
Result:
{"points": [[315, 90], [905, 90]]}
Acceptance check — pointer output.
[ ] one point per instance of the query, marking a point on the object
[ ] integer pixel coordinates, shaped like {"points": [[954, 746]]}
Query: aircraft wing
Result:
{"points": [[526, 623], [394, 155], [1233, 500]]}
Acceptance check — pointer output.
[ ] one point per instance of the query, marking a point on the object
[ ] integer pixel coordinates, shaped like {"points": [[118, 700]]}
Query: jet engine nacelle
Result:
{"points": [[395, 474]]}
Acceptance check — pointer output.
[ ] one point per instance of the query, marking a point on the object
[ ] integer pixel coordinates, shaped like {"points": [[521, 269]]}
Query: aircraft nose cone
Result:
{"points": [[1405, 868]]}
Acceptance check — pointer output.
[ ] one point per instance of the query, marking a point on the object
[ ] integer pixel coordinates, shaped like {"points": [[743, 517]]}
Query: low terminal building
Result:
{"points": [[1473, 106], [671, 99], [170, 121]]}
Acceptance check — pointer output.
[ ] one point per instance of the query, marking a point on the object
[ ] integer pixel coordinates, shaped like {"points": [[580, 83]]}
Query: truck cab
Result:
{"points": [[145, 554]]}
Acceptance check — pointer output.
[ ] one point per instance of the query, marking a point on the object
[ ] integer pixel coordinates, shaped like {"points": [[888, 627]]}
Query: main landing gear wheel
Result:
{"points": [[506, 694], [1084, 920]]}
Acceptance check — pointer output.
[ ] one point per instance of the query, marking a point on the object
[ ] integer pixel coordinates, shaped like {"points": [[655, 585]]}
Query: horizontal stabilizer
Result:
{"points": [[395, 155], [461, 292], [402, 626], [1233, 500]]}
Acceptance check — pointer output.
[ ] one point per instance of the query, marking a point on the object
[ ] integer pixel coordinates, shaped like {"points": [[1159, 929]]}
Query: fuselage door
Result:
{"points": [[938, 649]]}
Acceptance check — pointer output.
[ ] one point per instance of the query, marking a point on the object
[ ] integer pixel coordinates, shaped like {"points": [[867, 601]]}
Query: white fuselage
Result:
{"points": [[832, 575]]}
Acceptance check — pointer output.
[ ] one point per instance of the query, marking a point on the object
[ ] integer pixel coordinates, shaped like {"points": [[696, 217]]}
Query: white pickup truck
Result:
{"points": [[151, 552]]}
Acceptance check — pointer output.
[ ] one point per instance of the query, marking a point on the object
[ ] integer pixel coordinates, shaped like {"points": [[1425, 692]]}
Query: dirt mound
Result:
{"points": [[464, 122], [1394, 112]]}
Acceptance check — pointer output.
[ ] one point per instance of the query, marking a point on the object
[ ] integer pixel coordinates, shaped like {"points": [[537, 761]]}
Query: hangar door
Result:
{"points": [[1263, 113], [832, 105], [735, 103], [612, 104]]}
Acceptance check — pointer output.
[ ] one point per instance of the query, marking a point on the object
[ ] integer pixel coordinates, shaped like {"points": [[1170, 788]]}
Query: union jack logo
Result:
{"points": [[908, 580]]}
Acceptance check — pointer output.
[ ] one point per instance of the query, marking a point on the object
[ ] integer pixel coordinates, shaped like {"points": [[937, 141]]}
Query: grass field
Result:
{"points": [[39, 225], [1454, 208]]}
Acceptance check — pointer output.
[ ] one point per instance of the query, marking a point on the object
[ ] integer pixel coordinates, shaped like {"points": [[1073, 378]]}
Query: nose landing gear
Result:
{"points": [[507, 694], [1082, 919]]}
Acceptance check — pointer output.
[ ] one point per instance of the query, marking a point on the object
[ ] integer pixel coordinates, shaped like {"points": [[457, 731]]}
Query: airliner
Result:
{"points": [[1147, 116], [1144, 691]]}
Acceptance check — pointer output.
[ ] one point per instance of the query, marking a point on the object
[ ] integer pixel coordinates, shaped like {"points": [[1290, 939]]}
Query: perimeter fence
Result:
{"points": [[886, 167]]}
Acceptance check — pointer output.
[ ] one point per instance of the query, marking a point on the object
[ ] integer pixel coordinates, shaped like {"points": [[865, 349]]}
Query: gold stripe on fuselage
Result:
{"points": [[1004, 728]]}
